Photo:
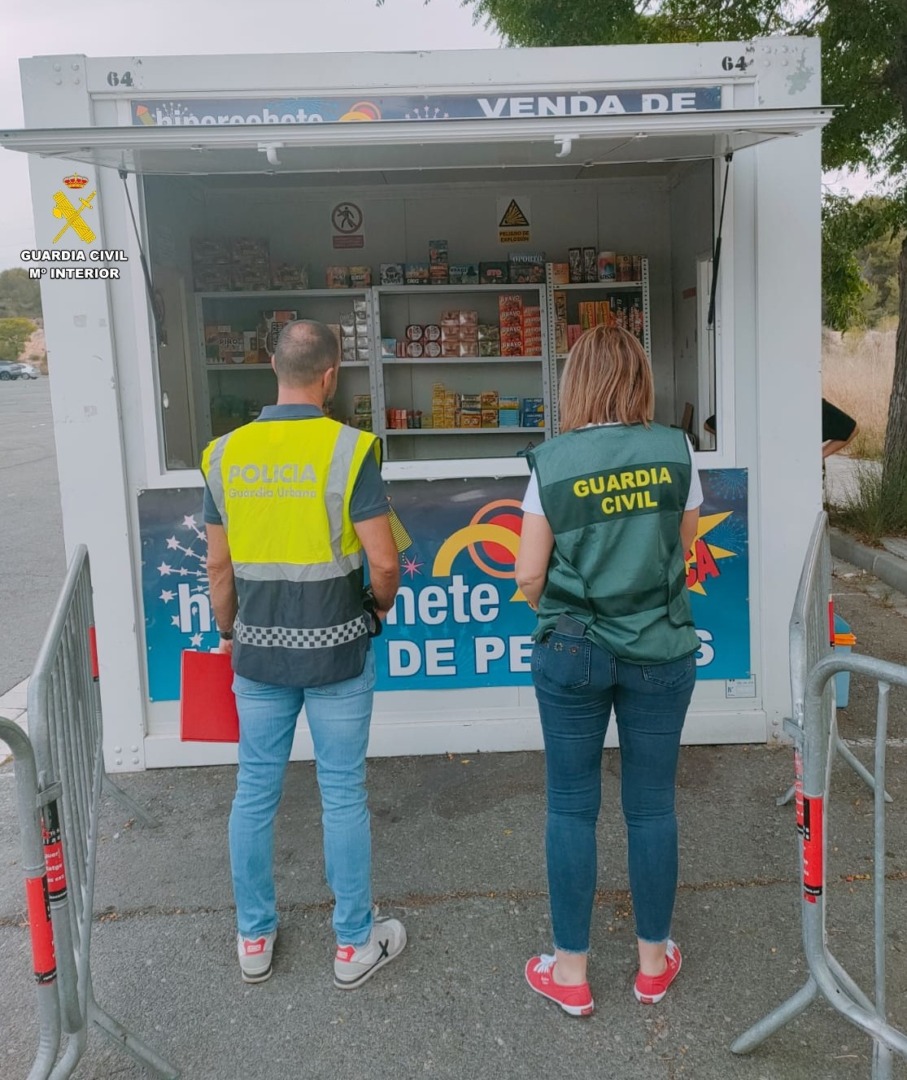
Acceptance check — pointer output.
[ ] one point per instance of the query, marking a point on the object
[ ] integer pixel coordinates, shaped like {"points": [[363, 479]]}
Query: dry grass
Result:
{"points": [[857, 369]]}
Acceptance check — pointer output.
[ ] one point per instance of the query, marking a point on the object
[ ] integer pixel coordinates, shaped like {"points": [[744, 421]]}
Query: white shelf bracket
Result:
{"points": [[270, 151], [565, 142]]}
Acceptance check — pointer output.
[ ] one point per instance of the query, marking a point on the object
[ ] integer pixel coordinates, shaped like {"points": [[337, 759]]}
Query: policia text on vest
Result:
{"points": [[273, 481]]}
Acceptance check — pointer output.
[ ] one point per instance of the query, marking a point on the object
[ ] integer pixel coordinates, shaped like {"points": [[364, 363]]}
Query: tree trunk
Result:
{"points": [[896, 436]]}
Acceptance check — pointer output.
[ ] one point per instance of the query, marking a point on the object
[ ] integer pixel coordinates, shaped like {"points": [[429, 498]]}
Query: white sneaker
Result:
{"points": [[256, 956], [355, 964]]}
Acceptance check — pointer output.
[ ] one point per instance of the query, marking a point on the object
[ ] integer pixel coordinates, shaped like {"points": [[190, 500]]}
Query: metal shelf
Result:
{"points": [[598, 286], [238, 367], [467, 431], [388, 361], [285, 294], [416, 290]]}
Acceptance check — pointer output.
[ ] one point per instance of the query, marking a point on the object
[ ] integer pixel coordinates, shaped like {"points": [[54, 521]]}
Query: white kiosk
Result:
{"points": [[459, 216]]}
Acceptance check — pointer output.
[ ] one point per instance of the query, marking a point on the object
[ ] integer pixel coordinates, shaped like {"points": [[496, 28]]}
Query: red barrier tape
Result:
{"points": [[813, 848], [93, 650], [44, 958], [53, 854]]}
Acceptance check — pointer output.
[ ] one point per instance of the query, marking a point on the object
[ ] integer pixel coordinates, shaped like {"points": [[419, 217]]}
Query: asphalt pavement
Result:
{"points": [[458, 851], [32, 559]]}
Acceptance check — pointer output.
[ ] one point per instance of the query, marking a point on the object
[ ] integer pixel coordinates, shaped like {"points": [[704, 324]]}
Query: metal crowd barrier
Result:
{"points": [[60, 778], [815, 735]]}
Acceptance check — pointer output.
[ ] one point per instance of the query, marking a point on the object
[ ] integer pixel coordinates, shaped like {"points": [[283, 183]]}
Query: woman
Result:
{"points": [[611, 508]]}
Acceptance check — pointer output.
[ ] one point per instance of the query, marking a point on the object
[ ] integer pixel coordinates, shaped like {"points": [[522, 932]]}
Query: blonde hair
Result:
{"points": [[607, 378]]}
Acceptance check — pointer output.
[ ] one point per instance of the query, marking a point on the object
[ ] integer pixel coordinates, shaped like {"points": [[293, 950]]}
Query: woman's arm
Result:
{"points": [[688, 526], [536, 545]]}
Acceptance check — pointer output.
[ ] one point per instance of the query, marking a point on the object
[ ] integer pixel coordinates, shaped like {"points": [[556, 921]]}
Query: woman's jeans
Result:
{"points": [[338, 717], [576, 684]]}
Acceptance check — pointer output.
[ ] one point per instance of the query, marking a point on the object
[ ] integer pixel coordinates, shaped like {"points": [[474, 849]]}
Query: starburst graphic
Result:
{"points": [[410, 566], [705, 556]]}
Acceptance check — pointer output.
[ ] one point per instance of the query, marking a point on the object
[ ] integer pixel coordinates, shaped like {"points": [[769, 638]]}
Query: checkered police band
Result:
{"points": [[283, 637]]}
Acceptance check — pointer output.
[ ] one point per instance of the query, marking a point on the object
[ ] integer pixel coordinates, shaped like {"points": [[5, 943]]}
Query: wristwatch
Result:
{"points": [[226, 635]]}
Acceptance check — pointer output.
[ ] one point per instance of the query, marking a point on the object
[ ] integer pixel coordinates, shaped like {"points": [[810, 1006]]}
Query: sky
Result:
{"points": [[181, 27], [192, 27]]}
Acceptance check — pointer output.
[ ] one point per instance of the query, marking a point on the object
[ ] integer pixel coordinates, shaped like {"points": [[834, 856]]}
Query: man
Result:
{"points": [[291, 502], [838, 429]]}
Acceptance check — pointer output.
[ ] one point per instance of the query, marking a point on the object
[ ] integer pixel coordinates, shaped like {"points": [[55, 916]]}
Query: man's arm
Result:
{"points": [[383, 559], [220, 580]]}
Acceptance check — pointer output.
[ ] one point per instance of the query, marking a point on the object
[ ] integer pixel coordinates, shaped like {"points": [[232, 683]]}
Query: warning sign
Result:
{"points": [[347, 219], [513, 221]]}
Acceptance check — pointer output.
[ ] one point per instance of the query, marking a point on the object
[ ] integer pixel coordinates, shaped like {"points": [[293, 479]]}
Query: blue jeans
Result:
{"points": [[576, 684], [338, 716]]}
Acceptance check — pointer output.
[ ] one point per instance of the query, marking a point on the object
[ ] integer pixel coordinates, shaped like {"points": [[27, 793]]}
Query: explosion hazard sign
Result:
{"points": [[513, 221]]}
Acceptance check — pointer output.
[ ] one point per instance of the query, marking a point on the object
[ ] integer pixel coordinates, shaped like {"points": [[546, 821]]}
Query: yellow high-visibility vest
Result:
{"points": [[283, 490]]}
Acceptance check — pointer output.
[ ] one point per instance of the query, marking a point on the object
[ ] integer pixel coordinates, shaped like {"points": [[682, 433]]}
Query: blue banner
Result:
{"points": [[220, 112], [459, 620]]}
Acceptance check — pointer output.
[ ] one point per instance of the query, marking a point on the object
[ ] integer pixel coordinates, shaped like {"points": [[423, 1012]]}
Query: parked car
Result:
{"points": [[29, 371], [9, 369]]}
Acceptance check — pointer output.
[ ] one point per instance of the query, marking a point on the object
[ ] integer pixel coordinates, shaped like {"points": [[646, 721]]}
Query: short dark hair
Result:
{"points": [[305, 350]]}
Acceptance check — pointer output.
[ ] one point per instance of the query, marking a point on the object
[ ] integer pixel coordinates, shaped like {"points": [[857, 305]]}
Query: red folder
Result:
{"points": [[207, 705]]}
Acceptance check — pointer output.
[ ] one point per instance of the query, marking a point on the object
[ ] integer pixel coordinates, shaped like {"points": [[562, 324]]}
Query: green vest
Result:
{"points": [[614, 497]]}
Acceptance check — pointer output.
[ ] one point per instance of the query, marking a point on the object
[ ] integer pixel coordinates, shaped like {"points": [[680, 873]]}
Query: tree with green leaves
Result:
{"points": [[19, 295], [864, 67], [13, 335]]}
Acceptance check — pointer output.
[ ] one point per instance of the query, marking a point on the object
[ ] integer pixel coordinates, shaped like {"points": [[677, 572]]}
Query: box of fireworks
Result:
{"points": [[532, 317], [560, 273], [532, 420], [560, 306], [511, 336], [468, 318], [388, 348], [607, 266], [362, 403], [250, 347], [438, 275], [417, 273], [532, 405], [590, 264], [391, 274], [348, 324], [469, 348], [362, 342], [251, 265], [360, 277], [360, 313], [414, 332], [362, 422], [575, 265], [493, 273], [588, 314], [414, 418], [437, 252], [272, 322], [489, 332], [401, 348], [471, 418], [620, 312], [450, 348], [489, 417], [230, 347], [637, 321], [508, 418], [287, 276], [507, 404], [432, 349], [337, 277], [637, 267], [213, 332], [560, 338], [490, 348], [464, 274], [574, 333], [526, 268], [211, 264], [469, 335], [432, 332], [532, 347], [510, 312], [472, 402], [489, 399], [449, 333], [414, 350], [623, 270], [348, 350]]}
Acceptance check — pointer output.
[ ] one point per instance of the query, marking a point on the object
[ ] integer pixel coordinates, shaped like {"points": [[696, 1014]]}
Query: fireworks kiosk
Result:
{"points": [[459, 218]]}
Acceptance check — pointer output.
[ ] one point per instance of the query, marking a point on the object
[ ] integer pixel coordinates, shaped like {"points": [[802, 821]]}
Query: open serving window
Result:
{"points": [[457, 261]]}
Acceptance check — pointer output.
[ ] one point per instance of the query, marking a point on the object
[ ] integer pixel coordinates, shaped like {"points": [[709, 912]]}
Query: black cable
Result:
{"points": [[716, 258], [149, 285]]}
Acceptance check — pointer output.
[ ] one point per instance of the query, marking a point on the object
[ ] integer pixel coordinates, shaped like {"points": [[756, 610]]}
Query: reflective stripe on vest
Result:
{"points": [[614, 497], [283, 489]]}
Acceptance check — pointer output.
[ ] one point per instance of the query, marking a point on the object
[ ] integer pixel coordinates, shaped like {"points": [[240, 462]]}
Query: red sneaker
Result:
{"points": [[650, 989], [575, 1000]]}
